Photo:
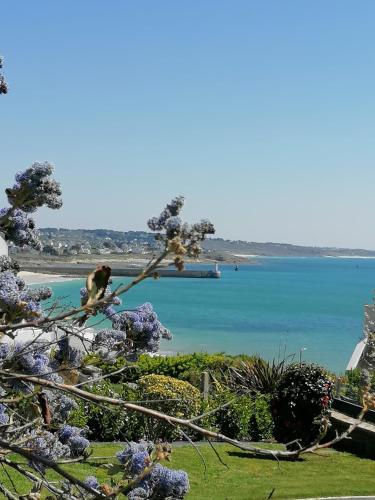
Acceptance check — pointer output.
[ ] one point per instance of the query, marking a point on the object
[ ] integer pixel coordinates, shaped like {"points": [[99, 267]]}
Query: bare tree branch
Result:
{"points": [[189, 423], [146, 273], [49, 463]]}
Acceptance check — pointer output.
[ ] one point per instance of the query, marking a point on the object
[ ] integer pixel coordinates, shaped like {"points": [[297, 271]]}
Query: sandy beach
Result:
{"points": [[31, 278]]}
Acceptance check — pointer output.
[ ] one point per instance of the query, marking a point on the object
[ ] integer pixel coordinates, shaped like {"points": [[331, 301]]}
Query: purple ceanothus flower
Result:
{"points": [[92, 482], [142, 327], [73, 438], [4, 418]]}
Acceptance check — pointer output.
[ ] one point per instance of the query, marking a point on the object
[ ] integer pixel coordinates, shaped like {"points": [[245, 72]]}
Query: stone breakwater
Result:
{"points": [[83, 270]]}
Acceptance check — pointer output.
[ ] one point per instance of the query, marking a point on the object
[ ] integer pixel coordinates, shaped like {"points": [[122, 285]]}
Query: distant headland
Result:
{"points": [[84, 245]]}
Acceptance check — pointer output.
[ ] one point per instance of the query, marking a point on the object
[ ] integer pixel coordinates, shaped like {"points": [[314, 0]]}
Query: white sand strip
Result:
{"points": [[39, 278]]}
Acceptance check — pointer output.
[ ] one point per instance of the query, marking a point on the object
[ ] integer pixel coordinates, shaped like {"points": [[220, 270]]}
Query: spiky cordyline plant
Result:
{"points": [[256, 376]]}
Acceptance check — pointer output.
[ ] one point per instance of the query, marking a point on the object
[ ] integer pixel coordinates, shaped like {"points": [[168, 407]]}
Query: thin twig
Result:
{"points": [[217, 454], [279, 454], [7, 493], [146, 273], [49, 463]]}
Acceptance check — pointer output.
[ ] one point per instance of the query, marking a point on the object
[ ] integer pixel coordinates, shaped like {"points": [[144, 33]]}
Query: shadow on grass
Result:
{"points": [[245, 454]]}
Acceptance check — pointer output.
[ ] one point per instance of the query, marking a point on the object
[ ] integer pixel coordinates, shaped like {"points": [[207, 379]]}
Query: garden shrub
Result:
{"points": [[109, 423], [303, 396], [255, 376], [186, 367], [169, 395], [352, 384], [245, 418]]}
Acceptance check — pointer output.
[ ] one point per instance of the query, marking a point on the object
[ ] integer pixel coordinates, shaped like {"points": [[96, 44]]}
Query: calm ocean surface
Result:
{"points": [[275, 305]]}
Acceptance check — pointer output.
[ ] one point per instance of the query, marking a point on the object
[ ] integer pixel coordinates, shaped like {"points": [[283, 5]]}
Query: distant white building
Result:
{"points": [[363, 356], [3, 246]]}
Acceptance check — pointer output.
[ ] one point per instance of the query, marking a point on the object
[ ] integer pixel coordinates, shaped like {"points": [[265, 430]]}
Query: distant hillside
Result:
{"points": [[279, 249], [212, 245]]}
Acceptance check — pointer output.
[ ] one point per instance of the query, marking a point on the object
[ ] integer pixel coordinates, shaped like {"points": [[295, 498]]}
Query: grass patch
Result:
{"points": [[328, 474]]}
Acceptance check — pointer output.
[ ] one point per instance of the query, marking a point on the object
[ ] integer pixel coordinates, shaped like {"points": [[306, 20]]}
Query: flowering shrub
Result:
{"points": [[160, 482], [33, 188], [303, 397], [168, 395]]}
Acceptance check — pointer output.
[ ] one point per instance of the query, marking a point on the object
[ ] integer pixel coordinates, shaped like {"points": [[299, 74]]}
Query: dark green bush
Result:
{"points": [[245, 418], [109, 423], [303, 396]]}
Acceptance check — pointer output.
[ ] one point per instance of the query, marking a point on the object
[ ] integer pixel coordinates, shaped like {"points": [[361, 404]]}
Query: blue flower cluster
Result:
{"points": [[60, 404], [109, 340], [34, 188], [64, 405], [92, 482], [142, 328], [160, 482], [171, 210], [138, 494], [179, 238], [74, 439], [4, 418], [8, 264], [5, 353], [135, 457], [35, 363], [19, 228], [19, 302], [126, 455], [46, 445], [35, 359], [166, 483]]}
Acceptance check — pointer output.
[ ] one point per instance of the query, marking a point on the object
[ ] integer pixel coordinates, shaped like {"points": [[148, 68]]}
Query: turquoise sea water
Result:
{"points": [[275, 305]]}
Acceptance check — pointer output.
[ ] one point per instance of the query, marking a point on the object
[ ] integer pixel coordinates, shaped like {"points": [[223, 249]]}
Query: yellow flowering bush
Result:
{"points": [[169, 395]]}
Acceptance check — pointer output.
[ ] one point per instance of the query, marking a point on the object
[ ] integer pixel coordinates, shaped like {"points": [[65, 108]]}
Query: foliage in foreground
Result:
{"points": [[37, 374], [328, 474]]}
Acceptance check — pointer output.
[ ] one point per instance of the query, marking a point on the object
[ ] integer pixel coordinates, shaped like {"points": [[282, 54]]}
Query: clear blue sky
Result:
{"points": [[262, 113]]}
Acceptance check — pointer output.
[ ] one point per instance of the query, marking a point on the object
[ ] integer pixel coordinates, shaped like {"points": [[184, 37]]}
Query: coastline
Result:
{"points": [[32, 278]]}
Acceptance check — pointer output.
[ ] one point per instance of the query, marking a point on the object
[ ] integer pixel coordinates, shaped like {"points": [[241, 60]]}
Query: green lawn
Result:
{"points": [[328, 474]]}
